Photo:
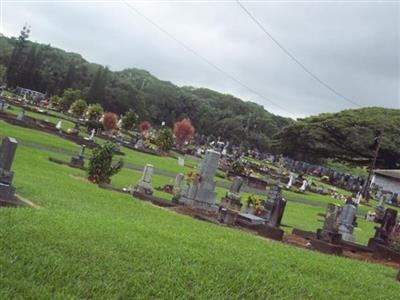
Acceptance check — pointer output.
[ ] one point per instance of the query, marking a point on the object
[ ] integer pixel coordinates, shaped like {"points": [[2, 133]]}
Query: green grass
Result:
{"points": [[36, 115], [86, 242], [37, 137]]}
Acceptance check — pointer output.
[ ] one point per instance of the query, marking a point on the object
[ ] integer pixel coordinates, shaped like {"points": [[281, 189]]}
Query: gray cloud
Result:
{"points": [[352, 46]]}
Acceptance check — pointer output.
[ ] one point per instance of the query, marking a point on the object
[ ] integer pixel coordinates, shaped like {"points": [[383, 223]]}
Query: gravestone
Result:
{"points": [[91, 137], [379, 212], [277, 213], [139, 144], [7, 153], [59, 126], [21, 115], [178, 186], [230, 205], [292, 178], [383, 232], [144, 184], [273, 196], [304, 186], [201, 193], [274, 209], [78, 161], [332, 217], [328, 238], [346, 223]]}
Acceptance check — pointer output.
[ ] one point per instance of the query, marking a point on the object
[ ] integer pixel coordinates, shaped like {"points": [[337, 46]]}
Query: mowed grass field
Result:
{"points": [[85, 242]]}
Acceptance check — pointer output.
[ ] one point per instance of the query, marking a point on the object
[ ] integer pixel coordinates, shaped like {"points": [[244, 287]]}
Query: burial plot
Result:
{"points": [[271, 228], [347, 220], [78, 161], [7, 153], [230, 205], [328, 238], [144, 184], [200, 193], [383, 232]]}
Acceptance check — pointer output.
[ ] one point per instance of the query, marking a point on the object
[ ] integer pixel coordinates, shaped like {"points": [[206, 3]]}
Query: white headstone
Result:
{"points": [[181, 161]]}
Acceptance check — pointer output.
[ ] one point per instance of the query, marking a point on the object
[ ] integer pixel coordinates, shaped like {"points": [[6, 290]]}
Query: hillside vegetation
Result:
{"points": [[349, 135], [51, 70]]}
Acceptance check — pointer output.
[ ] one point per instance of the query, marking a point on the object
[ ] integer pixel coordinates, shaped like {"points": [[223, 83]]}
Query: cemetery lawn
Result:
{"points": [[86, 242]]}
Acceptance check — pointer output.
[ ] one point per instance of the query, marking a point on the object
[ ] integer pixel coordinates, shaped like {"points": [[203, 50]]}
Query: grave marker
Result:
{"points": [[201, 193], [144, 184], [230, 205], [7, 153], [346, 222]]}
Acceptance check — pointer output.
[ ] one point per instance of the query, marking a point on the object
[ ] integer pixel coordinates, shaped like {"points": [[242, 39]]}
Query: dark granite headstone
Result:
{"points": [[387, 225], [7, 153]]}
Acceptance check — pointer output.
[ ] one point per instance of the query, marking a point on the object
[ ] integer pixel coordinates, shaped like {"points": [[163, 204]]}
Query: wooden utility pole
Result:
{"points": [[376, 152]]}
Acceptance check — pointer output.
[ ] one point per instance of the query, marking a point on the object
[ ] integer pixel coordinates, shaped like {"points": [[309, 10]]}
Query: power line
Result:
{"points": [[288, 53], [181, 43]]}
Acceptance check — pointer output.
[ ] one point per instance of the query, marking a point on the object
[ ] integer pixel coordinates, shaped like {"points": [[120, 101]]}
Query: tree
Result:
{"points": [[110, 121], [79, 107], [70, 96], [17, 58], [101, 167], [94, 112], [55, 101], [165, 139], [183, 131], [129, 120], [97, 87], [144, 128], [26, 77]]}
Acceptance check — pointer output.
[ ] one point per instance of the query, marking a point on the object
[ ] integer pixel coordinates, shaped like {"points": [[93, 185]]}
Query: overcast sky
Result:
{"points": [[352, 46]]}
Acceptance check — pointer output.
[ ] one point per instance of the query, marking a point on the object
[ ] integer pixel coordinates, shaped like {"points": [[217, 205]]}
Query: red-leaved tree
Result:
{"points": [[144, 128], [110, 121], [183, 131]]}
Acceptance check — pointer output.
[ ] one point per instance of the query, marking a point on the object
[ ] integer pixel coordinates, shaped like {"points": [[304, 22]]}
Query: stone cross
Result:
{"points": [[346, 227]]}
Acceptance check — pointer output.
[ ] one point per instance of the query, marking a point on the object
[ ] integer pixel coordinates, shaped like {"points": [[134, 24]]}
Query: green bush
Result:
{"points": [[165, 139], [237, 167], [101, 166]]}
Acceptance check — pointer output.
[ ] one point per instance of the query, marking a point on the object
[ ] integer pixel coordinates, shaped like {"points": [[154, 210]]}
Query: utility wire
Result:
{"points": [[298, 62], [181, 43]]}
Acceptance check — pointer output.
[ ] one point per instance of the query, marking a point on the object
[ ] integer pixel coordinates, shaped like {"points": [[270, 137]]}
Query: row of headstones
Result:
{"points": [[347, 181], [201, 193], [340, 221]]}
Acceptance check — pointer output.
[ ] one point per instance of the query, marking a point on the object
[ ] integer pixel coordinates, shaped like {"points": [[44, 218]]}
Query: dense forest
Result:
{"points": [[349, 136]]}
